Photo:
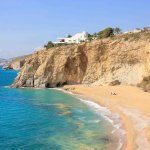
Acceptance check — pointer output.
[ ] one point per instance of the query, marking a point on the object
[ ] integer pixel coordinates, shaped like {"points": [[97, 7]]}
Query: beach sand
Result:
{"points": [[130, 103]]}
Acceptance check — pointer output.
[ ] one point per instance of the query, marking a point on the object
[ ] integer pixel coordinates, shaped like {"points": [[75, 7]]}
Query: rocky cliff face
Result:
{"points": [[15, 63], [126, 59]]}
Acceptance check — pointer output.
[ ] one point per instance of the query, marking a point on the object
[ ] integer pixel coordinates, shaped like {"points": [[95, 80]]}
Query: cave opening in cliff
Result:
{"points": [[59, 84], [47, 85], [65, 83]]}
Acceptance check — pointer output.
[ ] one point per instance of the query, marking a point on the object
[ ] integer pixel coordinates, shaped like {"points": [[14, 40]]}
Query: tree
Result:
{"points": [[106, 33], [95, 34], [69, 36], [90, 37], [117, 30], [49, 45]]}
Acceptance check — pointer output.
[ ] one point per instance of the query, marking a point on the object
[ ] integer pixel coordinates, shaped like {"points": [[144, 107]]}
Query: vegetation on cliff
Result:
{"points": [[145, 84], [106, 33], [50, 44], [99, 62]]}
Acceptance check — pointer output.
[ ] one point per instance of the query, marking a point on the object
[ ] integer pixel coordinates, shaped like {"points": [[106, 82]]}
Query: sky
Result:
{"points": [[29, 24]]}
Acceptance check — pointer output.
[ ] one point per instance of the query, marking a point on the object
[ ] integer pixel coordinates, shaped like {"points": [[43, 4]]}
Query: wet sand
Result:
{"points": [[130, 103]]}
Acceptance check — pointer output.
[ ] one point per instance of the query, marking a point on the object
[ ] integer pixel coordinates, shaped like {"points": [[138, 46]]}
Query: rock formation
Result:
{"points": [[125, 58], [15, 63]]}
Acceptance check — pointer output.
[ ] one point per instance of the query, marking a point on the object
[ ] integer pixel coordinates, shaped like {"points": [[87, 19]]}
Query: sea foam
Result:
{"points": [[108, 115]]}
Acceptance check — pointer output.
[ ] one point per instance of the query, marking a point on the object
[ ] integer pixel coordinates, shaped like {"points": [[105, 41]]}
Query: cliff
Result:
{"points": [[15, 63], [122, 59]]}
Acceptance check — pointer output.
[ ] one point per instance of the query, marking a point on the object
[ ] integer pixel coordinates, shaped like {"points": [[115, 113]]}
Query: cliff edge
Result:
{"points": [[124, 58], [15, 63]]}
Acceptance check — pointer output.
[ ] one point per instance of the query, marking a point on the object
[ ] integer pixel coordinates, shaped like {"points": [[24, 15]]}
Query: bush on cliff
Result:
{"points": [[49, 45], [90, 37], [69, 36], [145, 84], [106, 33], [117, 30]]}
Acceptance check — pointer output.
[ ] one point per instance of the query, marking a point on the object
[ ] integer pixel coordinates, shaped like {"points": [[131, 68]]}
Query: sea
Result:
{"points": [[49, 119]]}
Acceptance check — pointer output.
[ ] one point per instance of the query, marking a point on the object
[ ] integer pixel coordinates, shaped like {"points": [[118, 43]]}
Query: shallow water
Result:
{"points": [[43, 119]]}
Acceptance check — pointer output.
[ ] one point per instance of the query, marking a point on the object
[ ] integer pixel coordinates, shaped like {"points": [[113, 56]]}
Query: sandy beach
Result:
{"points": [[130, 103]]}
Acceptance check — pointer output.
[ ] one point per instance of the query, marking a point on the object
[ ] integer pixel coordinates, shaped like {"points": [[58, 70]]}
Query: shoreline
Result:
{"points": [[118, 131], [104, 112], [129, 107], [132, 108]]}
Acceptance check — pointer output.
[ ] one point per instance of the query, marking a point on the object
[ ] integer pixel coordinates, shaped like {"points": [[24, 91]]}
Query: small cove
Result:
{"points": [[48, 119]]}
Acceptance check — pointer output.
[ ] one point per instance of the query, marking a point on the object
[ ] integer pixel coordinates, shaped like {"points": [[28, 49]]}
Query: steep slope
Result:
{"points": [[15, 63], [125, 58]]}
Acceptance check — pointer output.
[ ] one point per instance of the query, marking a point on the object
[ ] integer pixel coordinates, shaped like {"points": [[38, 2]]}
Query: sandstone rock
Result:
{"points": [[98, 62], [15, 63]]}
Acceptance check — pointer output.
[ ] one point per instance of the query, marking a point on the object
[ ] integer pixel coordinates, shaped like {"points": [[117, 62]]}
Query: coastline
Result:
{"points": [[118, 131], [130, 108], [117, 142]]}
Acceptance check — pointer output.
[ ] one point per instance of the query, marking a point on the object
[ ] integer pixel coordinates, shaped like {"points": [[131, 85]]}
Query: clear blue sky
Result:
{"points": [[28, 24]]}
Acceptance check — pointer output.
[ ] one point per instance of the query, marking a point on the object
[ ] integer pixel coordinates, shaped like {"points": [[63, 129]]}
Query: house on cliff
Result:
{"points": [[77, 38], [146, 28], [137, 30]]}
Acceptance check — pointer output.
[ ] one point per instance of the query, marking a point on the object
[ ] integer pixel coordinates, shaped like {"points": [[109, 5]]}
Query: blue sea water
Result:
{"points": [[44, 119]]}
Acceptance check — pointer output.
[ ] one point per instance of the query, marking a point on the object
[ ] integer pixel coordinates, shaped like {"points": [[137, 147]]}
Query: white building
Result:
{"points": [[77, 38], [127, 32], [137, 30]]}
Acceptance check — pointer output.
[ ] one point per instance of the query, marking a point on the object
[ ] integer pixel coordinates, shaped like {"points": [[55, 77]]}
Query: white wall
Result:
{"points": [[77, 38]]}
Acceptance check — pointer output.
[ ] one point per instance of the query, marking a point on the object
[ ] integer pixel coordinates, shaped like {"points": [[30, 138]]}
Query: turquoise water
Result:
{"points": [[44, 119]]}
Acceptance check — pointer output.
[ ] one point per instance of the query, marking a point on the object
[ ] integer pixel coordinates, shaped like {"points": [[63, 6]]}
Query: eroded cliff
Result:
{"points": [[15, 63], [123, 58]]}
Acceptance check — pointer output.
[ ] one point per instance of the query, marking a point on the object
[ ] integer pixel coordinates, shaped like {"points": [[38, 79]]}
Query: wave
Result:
{"points": [[4, 86], [109, 116]]}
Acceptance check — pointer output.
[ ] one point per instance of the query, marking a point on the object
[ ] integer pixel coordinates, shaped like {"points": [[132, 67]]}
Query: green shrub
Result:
{"points": [[145, 84], [49, 45], [69, 36], [106, 33], [117, 30]]}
